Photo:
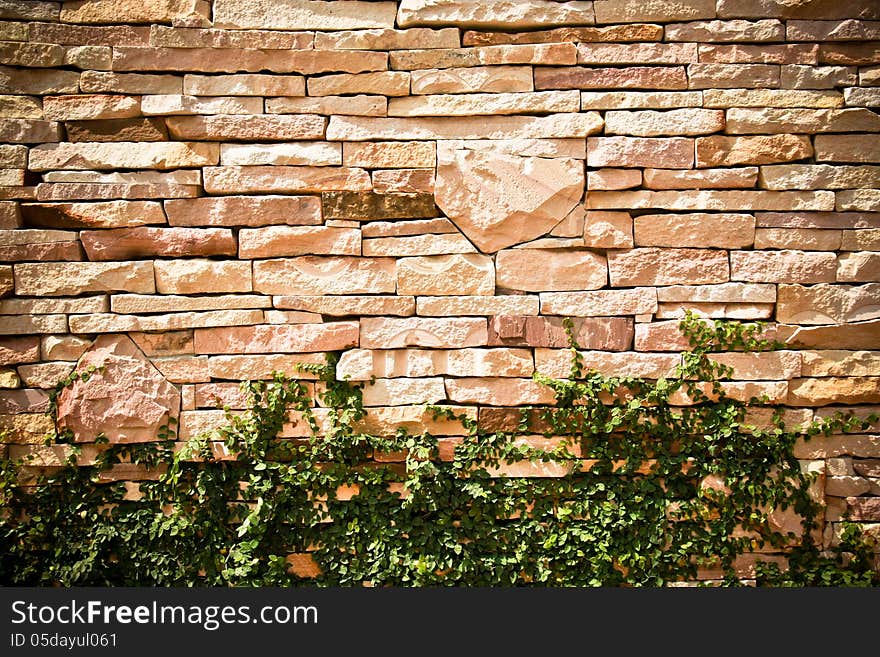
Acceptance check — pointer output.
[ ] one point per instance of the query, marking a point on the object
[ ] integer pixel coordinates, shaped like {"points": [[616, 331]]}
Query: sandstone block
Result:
{"points": [[283, 179], [845, 30], [27, 428], [469, 273], [795, 76], [556, 363], [24, 401], [405, 391], [631, 77], [387, 39], [761, 366], [146, 303], [91, 107], [389, 154], [121, 130], [506, 15], [762, 54], [723, 31], [857, 54], [456, 306], [135, 11], [329, 105], [698, 230], [723, 293], [384, 83], [363, 364], [858, 199], [173, 104], [418, 245], [783, 266], [782, 120], [128, 83], [244, 127], [28, 325], [608, 230], [55, 347], [652, 11], [477, 104], [536, 270], [614, 179], [838, 362], [61, 278], [111, 323], [273, 241], [92, 35], [731, 151], [834, 390], [202, 276], [651, 266], [771, 98], [545, 54], [601, 333], [498, 391], [45, 375], [618, 100], [16, 350], [404, 181], [635, 301], [829, 220], [394, 333], [40, 245], [349, 305], [613, 54], [798, 10], [13, 156], [252, 367], [122, 155], [862, 335], [294, 153], [413, 419], [126, 399], [29, 131], [303, 15], [672, 153], [367, 205], [672, 122], [742, 177], [861, 97], [861, 240], [269, 338], [325, 275], [848, 148], [486, 79], [244, 84], [169, 343], [38, 82], [818, 176], [72, 305], [858, 267], [805, 239], [250, 211], [181, 37], [132, 243], [497, 199]]}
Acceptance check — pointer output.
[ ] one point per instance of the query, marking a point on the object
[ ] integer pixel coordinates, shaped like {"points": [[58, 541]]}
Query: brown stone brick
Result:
{"points": [[37, 82], [16, 350], [129, 83], [603, 333], [730, 151], [848, 148], [850, 54], [283, 179], [29, 131], [823, 10], [118, 130], [110, 214], [733, 76], [610, 33], [364, 206], [250, 211], [695, 230], [132, 243], [652, 266], [630, 77]]}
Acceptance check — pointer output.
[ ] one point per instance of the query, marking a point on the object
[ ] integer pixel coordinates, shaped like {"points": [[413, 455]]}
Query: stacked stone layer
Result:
{"points": [[210, 191]]}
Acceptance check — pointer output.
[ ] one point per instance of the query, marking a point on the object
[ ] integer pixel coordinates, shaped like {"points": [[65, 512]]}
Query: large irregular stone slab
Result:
{"points": [[500, 199], [126, 399]]}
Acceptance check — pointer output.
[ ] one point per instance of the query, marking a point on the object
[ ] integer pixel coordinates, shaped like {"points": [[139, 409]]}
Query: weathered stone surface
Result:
{"points": [[27, 428], [174, 104], [630, 11], [761, 366], [244, 127], [818, 176], [497, 199], [618, 100], [325, 275], [418, 245], [16, 350], [861, 97], [635, 301], [651, 266], [134, 11], [630, 77], [62, 279], [843, 30], [486, 79], [404, 391], [556, 363], [840, 363], [201, 276], [181, 37], [24, 401], [859, 54], [244, 211], [365, 206], [561, 54], [456, 306], [147, 303], [44, 375], [404, 181], [266, 338], [90, 107], [126, 398], [329, 105], [117, 130], [672, 153], [413, 419], [392, 333], [805, 239], [848, 148], [603, 333], [614, 178], [858, 199], [123, 155], [72, 305], [608, 230], [468, 273], [29, 131], [733, 30], [387, 39], [672, 122], [89, 57], [476, 104], [765, 54], [723, 293], [731, 151], [536, 270], [283, 179], [614, 54], [111, 323], [294, 153], [40, 245], [785, 266], [742, 177], [858, 267], [552, 126], [37, 82], [861, 240], [131, 243], [26, 325], [862, 335], [20, 107], [498, 391], [479, 14], [784, 120], [244, 84], [273, 241], [261, 366], [834, 390], [348, 305], [303, 15], [802, 9], [829, 220], [384, 83], [54, 347], [388, 154], [696, 230], [795, 76], [771, 98]]}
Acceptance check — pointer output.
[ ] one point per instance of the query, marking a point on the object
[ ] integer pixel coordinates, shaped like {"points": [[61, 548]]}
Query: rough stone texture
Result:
{"points": [[858, 267], [385, 333], [694, 230], [303, 15], [631, 77], [786, 266], [325, 275], [469, 274], [606, 334], [828, 304], [652, 266], [201, 276], [273, 241], [475, 104], [672, 122], [300, 338], [635, 301], [122, 155], [740, 177], [126, 399], [283, 179], [732, 151], [133, 243], [506, 15], [818, 176], [486, 79], [499, 199], [61, 279], [782, 120], [451, 306], [249, 211], [536, 270], [671, 153]]}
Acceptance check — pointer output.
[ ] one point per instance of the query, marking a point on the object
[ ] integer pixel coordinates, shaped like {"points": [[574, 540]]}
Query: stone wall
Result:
{"points": [[196, 193]]}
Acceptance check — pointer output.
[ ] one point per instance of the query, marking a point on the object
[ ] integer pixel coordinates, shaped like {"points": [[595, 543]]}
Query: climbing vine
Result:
{"points": [[645, 483]]}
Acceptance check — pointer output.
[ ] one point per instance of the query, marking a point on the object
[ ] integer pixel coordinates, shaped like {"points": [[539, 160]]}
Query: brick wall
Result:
{"points": [[196, 193]]}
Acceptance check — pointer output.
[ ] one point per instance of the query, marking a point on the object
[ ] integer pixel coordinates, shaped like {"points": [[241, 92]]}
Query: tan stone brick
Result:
{"points": [[861, 97], [174, 104], [39, 245], [244, 127], [742, 177], [477, 104], [245, 211], [730, 151], [273, 241], [325, 275], [169, 343], [27, 428], [602, 333], [401, 392], [535, 270], [404, 181], [723, 31], [418, 245], [343, 128], [329, 105], [37, 82], [834, 390], [760, 54], [27, 325], [635, 301], [244, 84], [453, 306], [387, 39], [303, 15], [90, 107], [847, 336], [674, 152], [733, 76], [858, 199], [829, 220], [631, 77], [699, 230], [608, 230], [19, 306], [92, 35], [132, 243], [180, 37], [470, 273], [795, 76], [45, 375], [521, 14], [201, 276], [15, 350], [193, 424], [840, 363], [59, 347], [135, 11], [618, 100], [614, 179], [782, 120], [218, 395], [290, 317], [29, 131], [786, 266], [861, 240], [111, 323], [315, 153], [128, 83], [393, 333], [845, 30], [147, 303], [556, 363], [287, 339], [20, 107], [630, 11], [848, 148], [818, 176], [283, 179], [614, 54], [413, 419], [679, 310], [486, 79], [122, 155], [652, 266], [261, 366], [758, 366], [771, 98], [858, 267], [61, 279], [384, 83], [805, 239], [349, 305], [673, 122], [723, 293], [389, 154], [869, 75], [549, 54]]}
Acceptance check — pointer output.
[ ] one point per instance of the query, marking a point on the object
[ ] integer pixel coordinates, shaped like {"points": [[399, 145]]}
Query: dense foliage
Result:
{"points": [[649, 491]]}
